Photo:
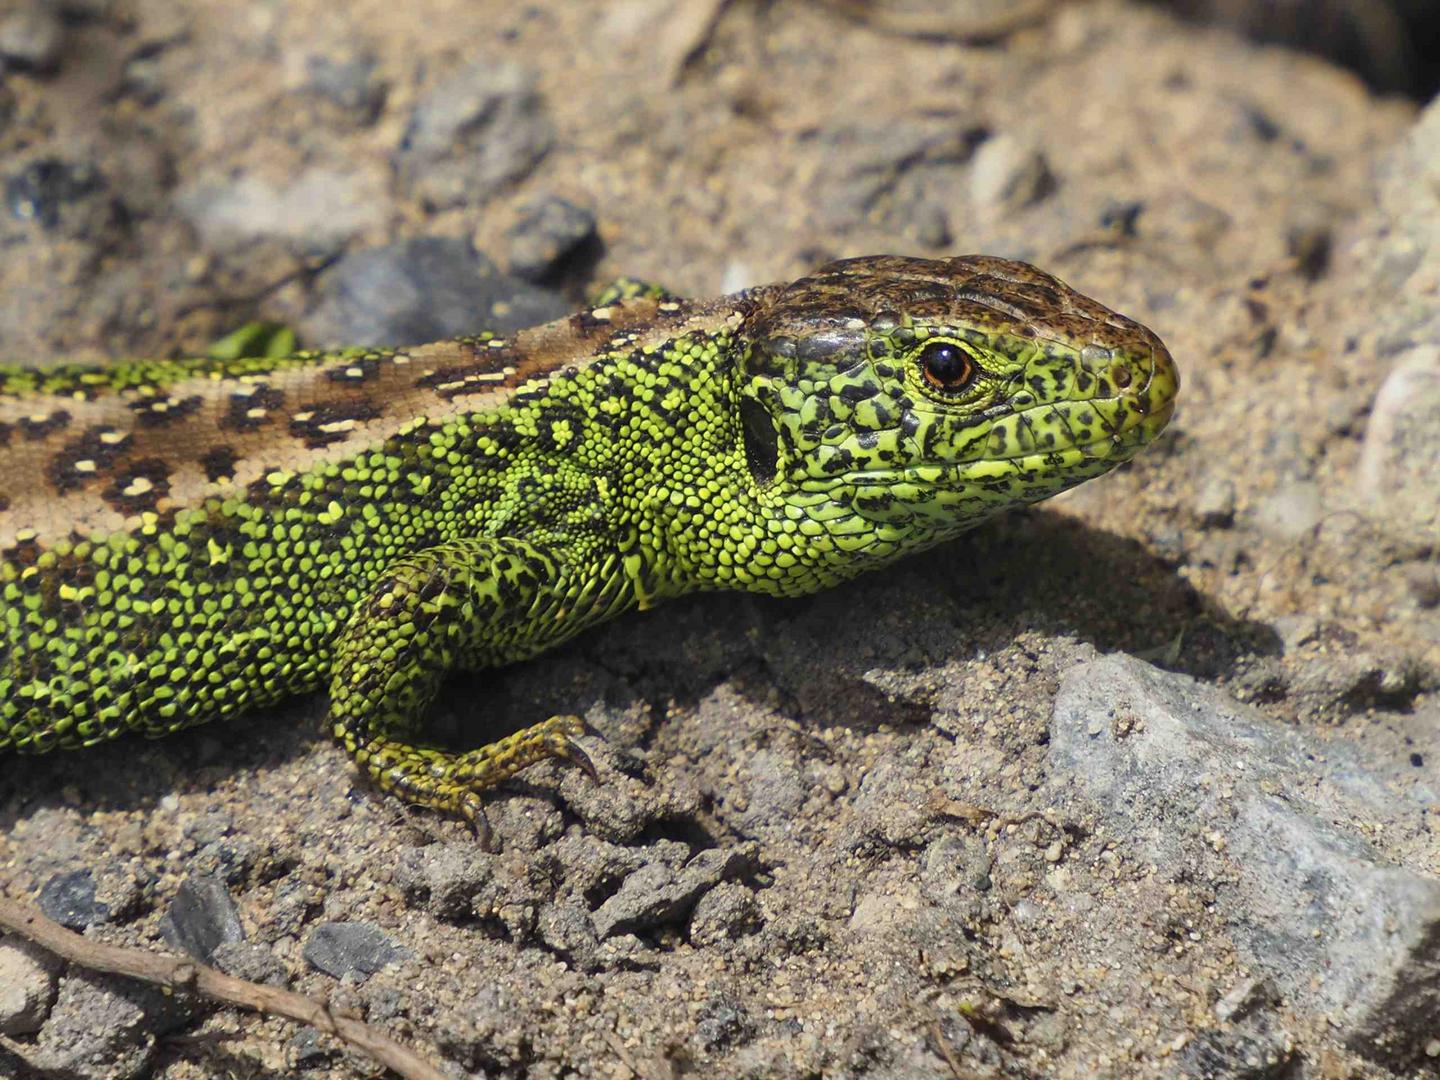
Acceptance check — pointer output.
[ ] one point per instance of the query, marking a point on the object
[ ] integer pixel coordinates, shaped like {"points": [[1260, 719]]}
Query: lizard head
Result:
{"points": [[889, 402]]}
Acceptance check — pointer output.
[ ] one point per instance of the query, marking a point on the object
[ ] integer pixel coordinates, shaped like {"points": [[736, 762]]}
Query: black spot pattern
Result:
{"points": [[38, 427], [330, 421], [139, 486], [87, 458], [251, 411], [155, 412]]}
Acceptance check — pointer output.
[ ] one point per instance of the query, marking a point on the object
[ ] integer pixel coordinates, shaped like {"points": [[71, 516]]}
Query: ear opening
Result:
{"points": [[762, 444]]}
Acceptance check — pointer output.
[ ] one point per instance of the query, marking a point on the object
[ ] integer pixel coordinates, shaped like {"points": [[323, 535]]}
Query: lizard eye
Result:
{"points": [[947, 366]]}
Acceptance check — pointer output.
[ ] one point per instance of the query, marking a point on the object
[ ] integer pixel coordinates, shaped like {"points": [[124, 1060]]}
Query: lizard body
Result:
{"points": [[187, 540]]}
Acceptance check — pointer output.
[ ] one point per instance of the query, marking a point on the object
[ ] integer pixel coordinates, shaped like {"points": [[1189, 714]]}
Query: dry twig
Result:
{"points": [[186, 976]]}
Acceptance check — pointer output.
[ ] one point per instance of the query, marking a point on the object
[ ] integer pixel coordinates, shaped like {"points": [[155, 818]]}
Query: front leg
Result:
{"points": [[455, 605]]}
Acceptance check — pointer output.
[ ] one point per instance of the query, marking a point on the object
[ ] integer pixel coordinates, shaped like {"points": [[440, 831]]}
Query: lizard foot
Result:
{"points": [[451, 783]]}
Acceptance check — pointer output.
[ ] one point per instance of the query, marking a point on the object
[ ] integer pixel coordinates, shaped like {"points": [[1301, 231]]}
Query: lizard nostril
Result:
{"points": [[1120, 374]]}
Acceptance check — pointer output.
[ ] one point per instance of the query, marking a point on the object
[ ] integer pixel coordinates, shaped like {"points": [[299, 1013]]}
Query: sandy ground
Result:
{"points": [[850, 835]]}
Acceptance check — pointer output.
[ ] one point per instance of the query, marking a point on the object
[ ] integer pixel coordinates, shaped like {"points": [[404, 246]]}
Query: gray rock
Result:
{"points": [[1399, 475], [547, 235], [338, 948], [314, 212], [567, 931], [774, 790], [106, 1028], [350, 82], [897, 175], [726, 912], [201, 918], [479, 130], [445, 877], [1215, 503], [1292, 511], [251, 960], [1008, 174], [1402, 259], [31, 37], [27, 985], [418, 291], [658, 893], [1209, 790]]}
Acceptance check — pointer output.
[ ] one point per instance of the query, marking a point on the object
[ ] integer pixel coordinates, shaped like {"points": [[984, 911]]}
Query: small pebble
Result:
{"points": [[1007, 174], [1424, 582], [350, 83], [1292, 512], [1215, 503], [44, 190], [27, 985], [547, 235], [31, 37]]}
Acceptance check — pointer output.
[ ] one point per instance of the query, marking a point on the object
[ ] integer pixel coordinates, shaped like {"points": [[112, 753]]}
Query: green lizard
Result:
{"points": [[186, 540]]}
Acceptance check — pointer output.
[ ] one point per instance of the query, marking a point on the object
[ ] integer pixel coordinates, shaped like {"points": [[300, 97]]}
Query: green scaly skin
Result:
{"points": [[183, 541]]}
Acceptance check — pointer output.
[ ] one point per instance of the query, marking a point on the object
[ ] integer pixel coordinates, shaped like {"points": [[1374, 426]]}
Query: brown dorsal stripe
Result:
{"points": [[200, 436]]}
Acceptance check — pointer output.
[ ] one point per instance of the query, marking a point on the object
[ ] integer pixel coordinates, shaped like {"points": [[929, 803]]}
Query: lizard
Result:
{"points": [[190, 540]]}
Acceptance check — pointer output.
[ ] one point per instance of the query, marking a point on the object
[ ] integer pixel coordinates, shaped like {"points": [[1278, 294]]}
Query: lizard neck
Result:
{"points": [[706, 518]]}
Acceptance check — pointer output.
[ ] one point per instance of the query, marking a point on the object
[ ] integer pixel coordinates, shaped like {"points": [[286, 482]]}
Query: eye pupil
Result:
{"points": [[946, 365]]}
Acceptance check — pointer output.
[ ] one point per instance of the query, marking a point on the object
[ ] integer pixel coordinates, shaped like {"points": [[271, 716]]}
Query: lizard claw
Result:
{"points": [[472, 809], [564, 730], [572, 753]]}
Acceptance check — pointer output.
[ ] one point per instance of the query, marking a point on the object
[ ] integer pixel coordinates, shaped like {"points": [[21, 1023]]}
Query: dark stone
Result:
{"points": [[422, 290], [201, 918], [551, 235], [723, 1023], [44, 190], [339, 948], [350, 83], [70, 900], [308, 1050]]}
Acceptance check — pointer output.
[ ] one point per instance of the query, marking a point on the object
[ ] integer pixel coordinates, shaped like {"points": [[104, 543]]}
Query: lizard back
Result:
{"points": [[184, 540]]}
